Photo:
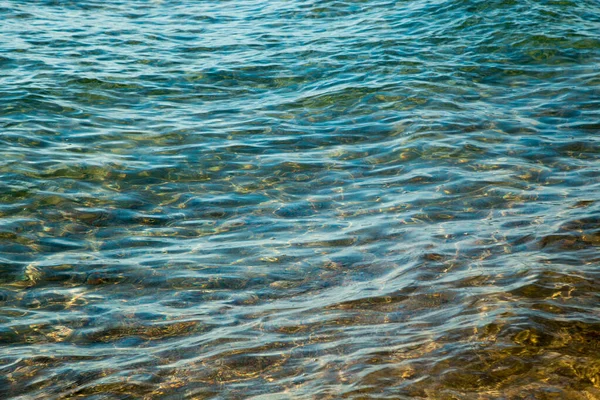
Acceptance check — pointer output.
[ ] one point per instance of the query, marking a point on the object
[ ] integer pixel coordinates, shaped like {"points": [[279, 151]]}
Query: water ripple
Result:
{"points": [[334, 199]]}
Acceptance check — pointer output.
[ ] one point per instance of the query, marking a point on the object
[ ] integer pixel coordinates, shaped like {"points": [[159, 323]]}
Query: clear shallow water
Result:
{"points": [[359, 199]]}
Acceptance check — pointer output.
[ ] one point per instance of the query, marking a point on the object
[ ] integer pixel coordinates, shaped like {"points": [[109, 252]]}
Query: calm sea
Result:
{"points": [[300, 199]]}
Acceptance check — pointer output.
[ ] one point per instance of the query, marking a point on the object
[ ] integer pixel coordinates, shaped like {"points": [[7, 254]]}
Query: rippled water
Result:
{"points": [[300, 199]]}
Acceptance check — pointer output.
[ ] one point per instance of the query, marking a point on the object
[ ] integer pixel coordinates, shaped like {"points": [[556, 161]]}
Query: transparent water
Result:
{"points": [[299, 199]]}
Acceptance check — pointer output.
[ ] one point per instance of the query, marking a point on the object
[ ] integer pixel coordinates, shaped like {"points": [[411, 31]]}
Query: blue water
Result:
{"points": [[299, 199]]}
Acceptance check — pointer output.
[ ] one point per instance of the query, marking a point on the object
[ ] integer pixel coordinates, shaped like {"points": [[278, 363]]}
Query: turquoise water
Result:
{"points": [[299, 199]]}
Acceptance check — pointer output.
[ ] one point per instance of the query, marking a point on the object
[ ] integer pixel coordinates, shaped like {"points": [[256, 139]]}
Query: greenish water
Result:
{"points": [[299, 199]]}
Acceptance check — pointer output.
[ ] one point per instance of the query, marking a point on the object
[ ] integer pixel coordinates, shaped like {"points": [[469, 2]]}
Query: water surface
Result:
{"points": [[299, 199]]}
